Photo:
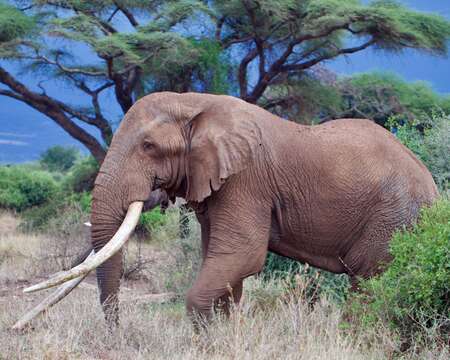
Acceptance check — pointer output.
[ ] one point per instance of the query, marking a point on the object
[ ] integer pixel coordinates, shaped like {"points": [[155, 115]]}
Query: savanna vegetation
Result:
{"points": [[272, 53], [295, 310]]}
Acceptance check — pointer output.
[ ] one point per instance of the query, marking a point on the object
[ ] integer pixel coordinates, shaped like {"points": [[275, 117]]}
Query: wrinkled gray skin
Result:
{"points": [[330, 195]]}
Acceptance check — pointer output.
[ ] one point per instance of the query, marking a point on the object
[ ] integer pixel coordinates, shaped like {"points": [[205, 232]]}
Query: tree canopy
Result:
{"points": [[59, 158], [241, 47], [379, 96], [289, 37]]}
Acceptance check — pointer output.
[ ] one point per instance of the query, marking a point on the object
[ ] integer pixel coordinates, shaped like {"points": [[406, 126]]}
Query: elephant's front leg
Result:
{"points": [[203, 219], [233, 295], [237, 248]]}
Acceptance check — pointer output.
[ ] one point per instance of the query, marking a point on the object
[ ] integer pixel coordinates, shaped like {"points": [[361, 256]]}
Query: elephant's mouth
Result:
{"points": [[157, 183]]}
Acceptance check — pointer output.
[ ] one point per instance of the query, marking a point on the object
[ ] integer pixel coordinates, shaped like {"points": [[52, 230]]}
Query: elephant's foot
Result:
{"points": [[200, 307]]}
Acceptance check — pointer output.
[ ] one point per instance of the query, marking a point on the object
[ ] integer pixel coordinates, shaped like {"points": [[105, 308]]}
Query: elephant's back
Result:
{"points": [[373, 155], [337, 180]]}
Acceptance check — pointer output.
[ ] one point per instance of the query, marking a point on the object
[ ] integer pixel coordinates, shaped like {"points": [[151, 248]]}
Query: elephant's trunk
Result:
{"points": [[108, 212], [111, 199], [104, 226]]}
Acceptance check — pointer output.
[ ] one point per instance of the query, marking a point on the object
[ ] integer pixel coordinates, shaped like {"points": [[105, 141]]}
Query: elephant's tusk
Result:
{"points": [[50, 300], [113, 245]]}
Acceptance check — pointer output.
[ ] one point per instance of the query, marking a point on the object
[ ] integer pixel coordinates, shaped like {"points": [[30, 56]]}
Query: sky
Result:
{"points": [[25, 133]]}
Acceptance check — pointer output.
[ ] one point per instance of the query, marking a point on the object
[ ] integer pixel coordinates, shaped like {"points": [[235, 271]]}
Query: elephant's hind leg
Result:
{"points": [[370, 254]]}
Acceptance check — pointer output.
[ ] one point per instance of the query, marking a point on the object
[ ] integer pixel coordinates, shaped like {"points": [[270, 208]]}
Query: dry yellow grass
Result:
{"points": [[270, 324], [18, 252]]}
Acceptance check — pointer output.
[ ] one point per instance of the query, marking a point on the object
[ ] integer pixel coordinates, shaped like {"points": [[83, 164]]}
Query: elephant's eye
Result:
{"points": [[148, 145]]}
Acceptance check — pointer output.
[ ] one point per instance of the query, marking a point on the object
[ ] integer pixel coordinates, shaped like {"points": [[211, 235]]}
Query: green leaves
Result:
{"points": [[14, 24], [79, 28], [22, 188], [213, 66], [172, 13], [59, 158], [432, 146], [140, 47], [398, 27], [413, 293]]}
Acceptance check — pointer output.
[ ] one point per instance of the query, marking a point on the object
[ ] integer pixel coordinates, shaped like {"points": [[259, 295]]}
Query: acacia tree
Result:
{"points": [[140, 46], [131, 46], [380, 96], [285, 39], [322, 96]]}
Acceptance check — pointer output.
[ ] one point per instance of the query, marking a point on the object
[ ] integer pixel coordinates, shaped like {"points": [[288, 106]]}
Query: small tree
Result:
{"points": [[59, 158], [412, 296], [431, 145]]}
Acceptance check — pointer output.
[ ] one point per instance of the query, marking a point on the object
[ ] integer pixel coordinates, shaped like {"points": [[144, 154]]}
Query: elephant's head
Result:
{"points": [[186, 144]]}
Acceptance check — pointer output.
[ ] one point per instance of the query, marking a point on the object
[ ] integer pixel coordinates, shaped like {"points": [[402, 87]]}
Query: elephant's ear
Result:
{"points": [[222, 143]]}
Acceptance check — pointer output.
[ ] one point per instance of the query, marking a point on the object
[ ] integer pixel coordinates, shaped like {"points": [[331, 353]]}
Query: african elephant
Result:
{"points": [[330, 195]]}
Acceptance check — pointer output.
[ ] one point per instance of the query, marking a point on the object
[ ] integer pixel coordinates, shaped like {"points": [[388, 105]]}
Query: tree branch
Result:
{"points": [[226, 43], [127, 14], [66, 69], [99, 120], [312, 62], [25, 8], [278, 67], [219, 26], [105, 27], [52, 108], [259, 42], [11, 94], [242, 75], [277, 102], [116, 10]]}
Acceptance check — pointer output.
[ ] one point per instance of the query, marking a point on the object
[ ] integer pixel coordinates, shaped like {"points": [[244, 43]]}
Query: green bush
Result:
{"points": [[413, 294], [84, 200], [59, 158], [436, 150], [82, 175], [320, 282], [36, 218], [432, 145], [39, 217], [22, 188], [150, 221]]}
